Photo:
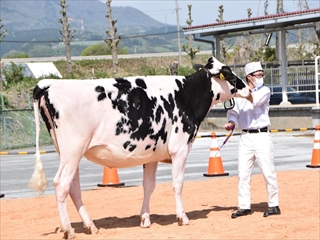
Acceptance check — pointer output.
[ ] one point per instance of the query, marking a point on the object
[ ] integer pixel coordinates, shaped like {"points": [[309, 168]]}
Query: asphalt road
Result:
{"points": [[293, 151]]}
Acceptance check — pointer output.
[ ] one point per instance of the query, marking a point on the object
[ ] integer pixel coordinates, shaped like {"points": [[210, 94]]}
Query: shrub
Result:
{"points": [[147, 71], [13, 74], [185, 71]]}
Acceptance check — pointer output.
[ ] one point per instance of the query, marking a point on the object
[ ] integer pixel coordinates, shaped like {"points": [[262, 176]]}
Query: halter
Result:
{"points": [[231, 102], [232, 82]]}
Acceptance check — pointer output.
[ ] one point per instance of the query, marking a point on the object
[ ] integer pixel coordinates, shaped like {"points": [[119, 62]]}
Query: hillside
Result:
{"points": [[33, 28], [27, 15]]}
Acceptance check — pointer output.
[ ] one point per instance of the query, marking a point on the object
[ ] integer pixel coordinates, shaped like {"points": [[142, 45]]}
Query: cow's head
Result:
{"points": [[220, 71], [241, 88], [225, 84]]}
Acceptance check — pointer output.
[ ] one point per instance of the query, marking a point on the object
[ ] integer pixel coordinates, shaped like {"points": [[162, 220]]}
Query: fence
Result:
{"points": [[301, 78], [18, 129]]}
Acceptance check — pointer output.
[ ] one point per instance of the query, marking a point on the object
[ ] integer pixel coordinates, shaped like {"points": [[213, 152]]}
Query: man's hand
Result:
{"points": [[229, 125], [250, 98]]}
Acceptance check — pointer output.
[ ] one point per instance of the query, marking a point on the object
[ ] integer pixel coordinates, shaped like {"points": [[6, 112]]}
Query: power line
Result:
{"points": [[307, 40], [91, 40]]}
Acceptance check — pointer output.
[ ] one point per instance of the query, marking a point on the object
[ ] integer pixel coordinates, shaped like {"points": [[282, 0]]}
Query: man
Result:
{"points": [[252, 116]]}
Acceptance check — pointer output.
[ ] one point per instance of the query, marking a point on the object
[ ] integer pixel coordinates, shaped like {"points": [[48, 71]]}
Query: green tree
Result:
{"points": [[40, 51], [20, 55], [96, 49], [100, 49], [13, 74], [264, 54], [12, 54]]}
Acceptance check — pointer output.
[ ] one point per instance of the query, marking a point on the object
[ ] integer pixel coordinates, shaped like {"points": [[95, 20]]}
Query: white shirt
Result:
{"points": [[254, 115]]}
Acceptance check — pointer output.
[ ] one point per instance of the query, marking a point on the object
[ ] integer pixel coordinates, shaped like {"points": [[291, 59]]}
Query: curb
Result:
{"points": [[24, 153]]}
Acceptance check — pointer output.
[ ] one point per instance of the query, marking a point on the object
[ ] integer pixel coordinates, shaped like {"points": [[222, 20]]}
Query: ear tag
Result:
{"points": [[221, 76]]}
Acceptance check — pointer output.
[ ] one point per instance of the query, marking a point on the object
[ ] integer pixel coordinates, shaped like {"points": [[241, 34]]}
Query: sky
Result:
{"points": [[206, 12]]}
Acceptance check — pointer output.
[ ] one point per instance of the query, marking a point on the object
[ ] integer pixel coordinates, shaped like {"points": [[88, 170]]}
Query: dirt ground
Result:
{"points": [[208, 204]]}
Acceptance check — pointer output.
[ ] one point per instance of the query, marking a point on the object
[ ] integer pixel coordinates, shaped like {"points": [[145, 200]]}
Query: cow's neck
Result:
{"points": [[198, 89]]}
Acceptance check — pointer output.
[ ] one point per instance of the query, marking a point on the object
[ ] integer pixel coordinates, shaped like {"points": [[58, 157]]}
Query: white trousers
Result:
{"points": [[256, 147]]}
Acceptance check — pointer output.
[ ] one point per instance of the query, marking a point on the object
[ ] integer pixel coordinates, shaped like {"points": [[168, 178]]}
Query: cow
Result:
{"points": [[124, 122]]}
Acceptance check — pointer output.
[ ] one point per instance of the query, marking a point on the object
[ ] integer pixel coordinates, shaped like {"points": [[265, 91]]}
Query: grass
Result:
{"points": [[86, 69], [18, 130]]}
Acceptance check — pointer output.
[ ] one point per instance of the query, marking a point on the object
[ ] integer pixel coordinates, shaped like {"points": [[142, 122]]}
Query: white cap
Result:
{"points": [[252, 67]]}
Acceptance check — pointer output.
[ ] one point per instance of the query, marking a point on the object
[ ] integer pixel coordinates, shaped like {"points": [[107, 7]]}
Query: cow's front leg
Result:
{"points": [[75, 194], [178, 166], [149, 184]]}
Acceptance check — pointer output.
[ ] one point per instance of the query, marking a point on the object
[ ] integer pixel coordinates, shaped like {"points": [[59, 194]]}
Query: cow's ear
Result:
{"points": [[226, 72], [209, 65], [197, 67]]}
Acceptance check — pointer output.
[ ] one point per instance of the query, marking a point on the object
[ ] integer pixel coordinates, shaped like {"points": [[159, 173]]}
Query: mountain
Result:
{"points": [[33, 28], [26, 15]]}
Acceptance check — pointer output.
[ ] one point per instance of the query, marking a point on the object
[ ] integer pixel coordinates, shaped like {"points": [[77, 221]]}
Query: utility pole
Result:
{"points": [[178, 28]]}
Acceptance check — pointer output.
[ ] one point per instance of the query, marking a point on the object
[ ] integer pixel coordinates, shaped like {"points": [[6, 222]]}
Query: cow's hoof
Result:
{"points": [[66, 234], [145, 220], [58, 229], [183, 221], [92, 229], [69, 235]]}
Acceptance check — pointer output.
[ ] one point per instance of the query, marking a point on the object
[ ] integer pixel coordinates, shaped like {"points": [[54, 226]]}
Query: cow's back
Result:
{"points": [[114, 122]]}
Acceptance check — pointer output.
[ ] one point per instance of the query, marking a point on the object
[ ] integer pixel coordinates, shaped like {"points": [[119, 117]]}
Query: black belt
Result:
{"points": [[265, 129]]}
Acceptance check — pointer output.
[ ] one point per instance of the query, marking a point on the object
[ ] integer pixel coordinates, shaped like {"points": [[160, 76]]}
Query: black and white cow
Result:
{"points": [[125, 122]]}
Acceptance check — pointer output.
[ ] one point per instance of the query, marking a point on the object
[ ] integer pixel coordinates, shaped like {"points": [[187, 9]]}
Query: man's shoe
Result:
{"points": [[272, 211], [241, 212]]}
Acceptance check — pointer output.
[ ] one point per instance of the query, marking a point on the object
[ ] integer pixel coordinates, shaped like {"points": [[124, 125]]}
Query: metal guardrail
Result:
{"points": [[301, 78], [317, 73]]}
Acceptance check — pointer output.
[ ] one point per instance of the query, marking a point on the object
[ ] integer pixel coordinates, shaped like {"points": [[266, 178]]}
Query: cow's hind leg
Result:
{"points": [[178, 167], [75, 194], [149, 184], [67, 181], [62, 182]]}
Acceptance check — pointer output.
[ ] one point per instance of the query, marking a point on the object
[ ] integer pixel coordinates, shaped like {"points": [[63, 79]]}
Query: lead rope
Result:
{"points": [[226, 140]]}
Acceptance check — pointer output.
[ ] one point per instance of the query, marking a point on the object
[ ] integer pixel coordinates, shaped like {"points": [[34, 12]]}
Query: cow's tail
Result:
{"points": [[38, 181]]}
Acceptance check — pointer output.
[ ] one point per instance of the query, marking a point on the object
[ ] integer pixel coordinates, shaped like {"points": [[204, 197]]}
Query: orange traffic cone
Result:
{"points": [[315, 161], [215, 167], [110, 178]]}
